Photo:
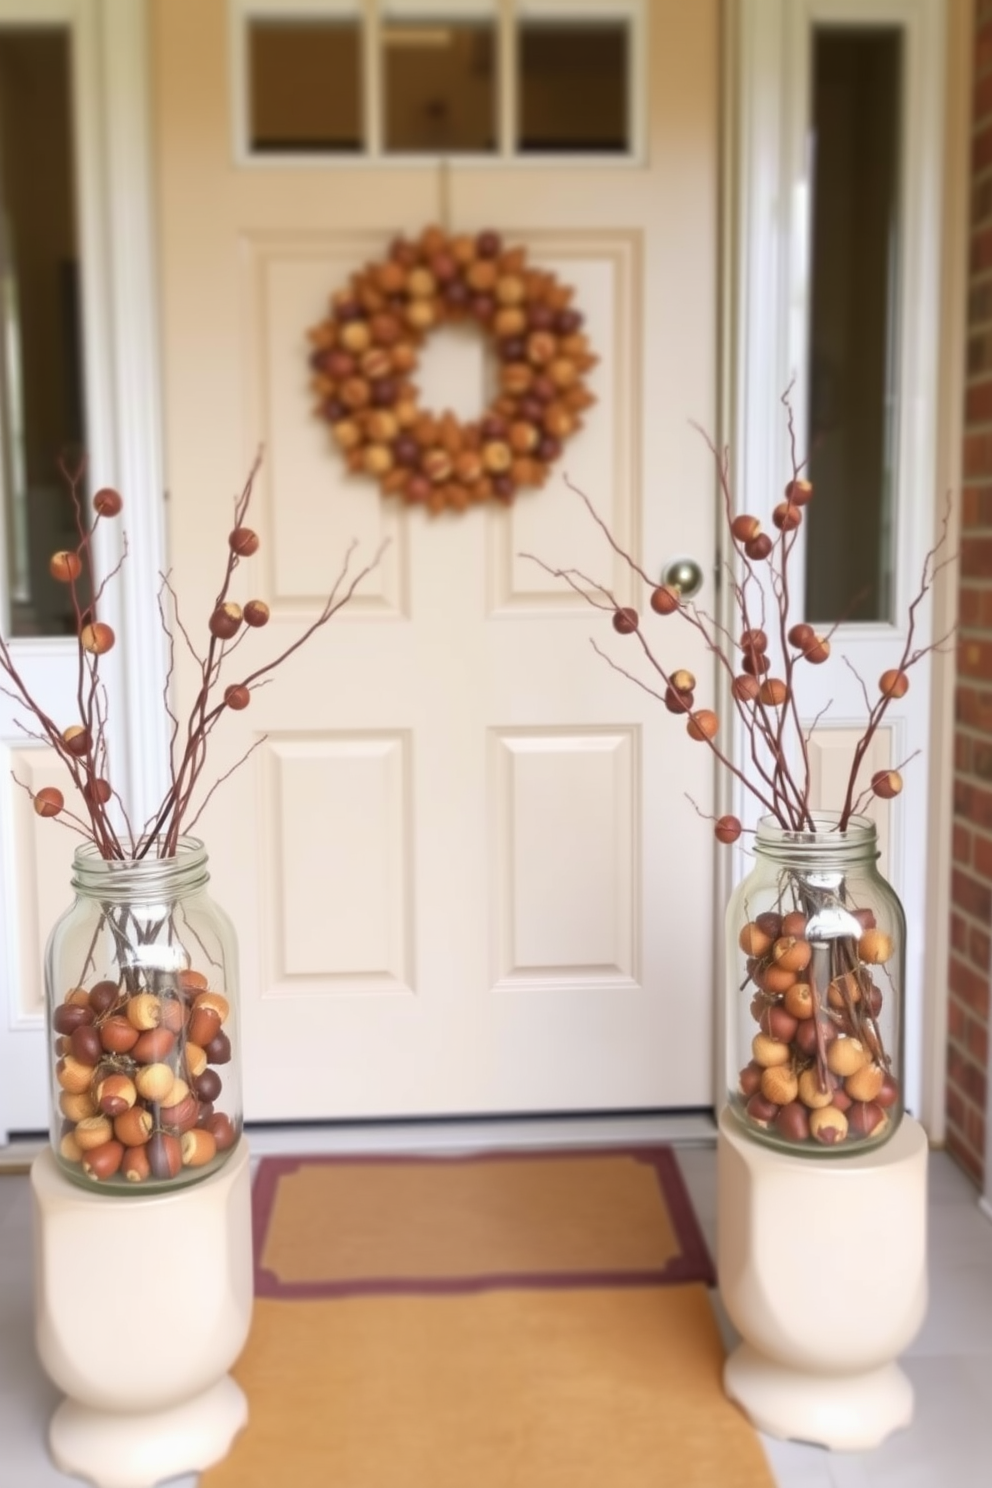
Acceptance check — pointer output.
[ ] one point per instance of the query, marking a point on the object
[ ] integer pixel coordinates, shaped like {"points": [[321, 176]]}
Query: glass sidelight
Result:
{"points": [[42, 398], [855, 270]]}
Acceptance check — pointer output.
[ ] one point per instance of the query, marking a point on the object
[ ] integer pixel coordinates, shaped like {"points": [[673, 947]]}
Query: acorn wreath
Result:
{"points": [[365, 357]]}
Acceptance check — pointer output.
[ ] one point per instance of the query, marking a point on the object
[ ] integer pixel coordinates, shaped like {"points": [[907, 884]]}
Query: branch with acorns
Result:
{"points": [[759, 663], [82, 743]]}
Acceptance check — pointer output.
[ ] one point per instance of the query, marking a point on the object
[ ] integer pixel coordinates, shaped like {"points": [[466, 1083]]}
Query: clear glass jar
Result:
{"points": [[141, 977], [815, 962]]}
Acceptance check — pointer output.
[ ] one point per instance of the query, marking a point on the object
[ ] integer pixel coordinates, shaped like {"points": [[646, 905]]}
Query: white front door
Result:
{"points": [[462, 865]]}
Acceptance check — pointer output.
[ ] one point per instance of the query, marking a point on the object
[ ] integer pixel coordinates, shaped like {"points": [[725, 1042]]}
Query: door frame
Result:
{"points": [[763, 340]]}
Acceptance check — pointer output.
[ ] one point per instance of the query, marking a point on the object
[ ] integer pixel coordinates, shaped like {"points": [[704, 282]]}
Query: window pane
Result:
{"points": [[306, 86], [855, 261], [573, 87], [440, 87], [41, 380]]}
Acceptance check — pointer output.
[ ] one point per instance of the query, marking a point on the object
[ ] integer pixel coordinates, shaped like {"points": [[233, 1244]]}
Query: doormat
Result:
{"points": [[510, 1320]]}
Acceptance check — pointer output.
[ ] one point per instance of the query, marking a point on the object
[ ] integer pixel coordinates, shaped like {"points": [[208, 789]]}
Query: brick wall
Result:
{"points": [[971, 883]]}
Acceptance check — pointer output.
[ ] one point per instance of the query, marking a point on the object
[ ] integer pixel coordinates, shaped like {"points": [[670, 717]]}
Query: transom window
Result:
{"points": [[395, 79]]}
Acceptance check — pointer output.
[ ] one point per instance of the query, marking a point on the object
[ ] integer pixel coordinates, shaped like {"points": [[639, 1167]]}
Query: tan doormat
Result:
{"points": [[532, 1320]]}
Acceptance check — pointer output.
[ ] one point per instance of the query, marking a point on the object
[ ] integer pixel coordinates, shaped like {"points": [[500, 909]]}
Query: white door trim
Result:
{"points": [[765, 337], [114, 184]]}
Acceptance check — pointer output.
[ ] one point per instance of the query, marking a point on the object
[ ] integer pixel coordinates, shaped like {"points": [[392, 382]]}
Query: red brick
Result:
{"points": [[957, 1020], [977, 1043], [983, 49], [959, 933], [981, 760], [964, 1157], [974, 709], [961, 844], [974, 1131], [981, 195], [976, 505], [971, 987], [979, 948], [980, 257], [979, 350], [962, 753], [969, 607], [981, 850], [975, 659], [966, 1075], [978, 403], [976, 552], [974, 804], [954, 1105]]}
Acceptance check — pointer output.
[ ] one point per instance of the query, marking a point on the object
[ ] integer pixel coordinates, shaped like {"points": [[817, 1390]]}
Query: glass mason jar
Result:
{"points": [[815, 959], [141, 976]]}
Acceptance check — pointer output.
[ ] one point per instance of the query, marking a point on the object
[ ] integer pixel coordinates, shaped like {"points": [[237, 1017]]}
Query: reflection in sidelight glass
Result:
{"points": [[853, 408], [41, 379], [573, 87], [305, 86], [439, 86]]}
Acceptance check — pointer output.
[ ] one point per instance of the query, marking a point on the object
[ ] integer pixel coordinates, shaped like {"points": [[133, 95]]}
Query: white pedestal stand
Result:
{"points": [[822, 1270], [142, 1304]]}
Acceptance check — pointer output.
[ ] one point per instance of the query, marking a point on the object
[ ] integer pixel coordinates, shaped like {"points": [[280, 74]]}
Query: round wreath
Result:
{"points": [[365, 356]]}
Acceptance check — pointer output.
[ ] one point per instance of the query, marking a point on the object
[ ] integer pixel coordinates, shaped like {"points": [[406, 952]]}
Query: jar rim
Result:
{"points": [[152, 876], [858, 830]]}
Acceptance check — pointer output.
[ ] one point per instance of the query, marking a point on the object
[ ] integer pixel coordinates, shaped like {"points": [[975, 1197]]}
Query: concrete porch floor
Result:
{"points": [[950, 1362]]}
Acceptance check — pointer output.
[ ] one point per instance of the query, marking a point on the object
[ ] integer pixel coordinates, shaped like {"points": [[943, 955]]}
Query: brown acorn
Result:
{"points": [[225, 622]]}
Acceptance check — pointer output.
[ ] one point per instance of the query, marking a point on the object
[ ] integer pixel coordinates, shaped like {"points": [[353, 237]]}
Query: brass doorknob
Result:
{"points": [[685, 575]]}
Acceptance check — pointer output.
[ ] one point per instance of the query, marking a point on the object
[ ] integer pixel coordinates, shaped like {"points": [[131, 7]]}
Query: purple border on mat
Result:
{"points": [[693, 1263]]}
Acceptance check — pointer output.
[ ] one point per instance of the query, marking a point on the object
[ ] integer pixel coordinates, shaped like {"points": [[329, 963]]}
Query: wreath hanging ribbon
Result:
{"points": [[365, 358]]}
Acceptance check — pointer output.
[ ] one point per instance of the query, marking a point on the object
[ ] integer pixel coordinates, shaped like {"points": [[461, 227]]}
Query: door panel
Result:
{"points": [[463, 870]]}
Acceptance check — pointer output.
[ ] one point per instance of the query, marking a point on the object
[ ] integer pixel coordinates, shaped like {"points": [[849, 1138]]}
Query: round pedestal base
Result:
{"points": [[822, 1267], [137, 1451], [847, 1412]]}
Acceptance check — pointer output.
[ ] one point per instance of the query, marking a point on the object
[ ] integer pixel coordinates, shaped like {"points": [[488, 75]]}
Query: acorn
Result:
{"points": [[875, 946], [96, 638], [786, 516], [625, 620], [828, 1125], [762, 1112], [745, 528], [759, 547], [749, 1080], [866, 1119], [243, 541], [893, 684], [225, 622], [256, 613], [779, 1084], [886, 784], [103, 1161], [792, 1122], [666, 599], [769, 1052], [65, 567], [773, 692], [814, 1094], [817, 650], [845, 1056], [702, 724], [49, 801], [745, 688], [77, 740]]}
